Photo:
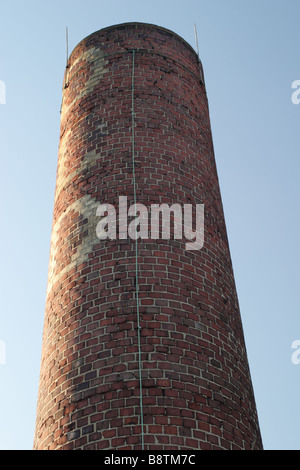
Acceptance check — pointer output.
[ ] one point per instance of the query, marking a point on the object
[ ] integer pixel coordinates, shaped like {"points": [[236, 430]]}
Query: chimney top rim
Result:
{"points": [[136, 24]]}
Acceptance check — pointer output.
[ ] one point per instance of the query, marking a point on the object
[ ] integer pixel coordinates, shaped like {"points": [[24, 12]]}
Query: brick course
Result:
{"points": [[197, 391]]}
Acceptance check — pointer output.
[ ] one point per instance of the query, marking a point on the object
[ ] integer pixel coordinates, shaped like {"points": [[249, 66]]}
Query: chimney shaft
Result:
{"points": [[140, 129]]}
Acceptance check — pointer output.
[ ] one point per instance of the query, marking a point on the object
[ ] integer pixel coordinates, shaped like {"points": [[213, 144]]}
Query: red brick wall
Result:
{"points": [[197, 391]]}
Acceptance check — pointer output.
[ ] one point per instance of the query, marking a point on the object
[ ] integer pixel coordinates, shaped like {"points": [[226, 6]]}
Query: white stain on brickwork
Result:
{"points": [[69, 166], [71, 247], [91, 76], [72, 241]]}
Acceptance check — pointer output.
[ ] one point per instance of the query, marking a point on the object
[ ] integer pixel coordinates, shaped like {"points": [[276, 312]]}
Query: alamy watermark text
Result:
{"points": [[2, 92], [152, 223], [296, 93]]}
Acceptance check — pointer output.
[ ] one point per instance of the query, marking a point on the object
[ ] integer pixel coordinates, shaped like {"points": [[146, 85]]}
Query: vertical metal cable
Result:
{"points": [[136, 255]]}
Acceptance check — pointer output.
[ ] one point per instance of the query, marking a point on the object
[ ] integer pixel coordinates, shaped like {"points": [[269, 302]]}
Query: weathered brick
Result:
{"points": [[197, 391]]}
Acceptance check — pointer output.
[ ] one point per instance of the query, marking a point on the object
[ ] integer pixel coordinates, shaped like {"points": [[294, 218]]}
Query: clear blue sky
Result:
{"points": [[250, 54]]}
